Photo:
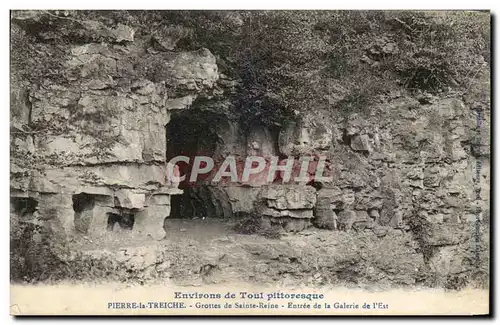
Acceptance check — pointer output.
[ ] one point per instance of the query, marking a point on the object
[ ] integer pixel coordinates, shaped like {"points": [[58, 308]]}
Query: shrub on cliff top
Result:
{"points": [[287, 60]]}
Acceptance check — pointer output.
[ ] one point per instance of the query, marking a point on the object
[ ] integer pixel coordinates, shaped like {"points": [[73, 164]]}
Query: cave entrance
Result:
{"points": [[196, 133], [123, 220], [23, 207], [83, 206]]}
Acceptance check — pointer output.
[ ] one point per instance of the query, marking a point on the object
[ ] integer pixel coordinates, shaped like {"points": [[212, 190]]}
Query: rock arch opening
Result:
{"points": [[194, 133], [83, 206], [123, 220], [23, 207]]}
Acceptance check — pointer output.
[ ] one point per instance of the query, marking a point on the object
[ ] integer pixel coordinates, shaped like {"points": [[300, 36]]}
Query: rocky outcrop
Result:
{"points": [[97, 133], [100, 105], [290, 207]]}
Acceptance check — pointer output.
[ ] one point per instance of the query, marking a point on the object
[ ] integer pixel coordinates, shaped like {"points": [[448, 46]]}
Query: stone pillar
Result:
{"points": [[57, 207], [150, 220]]}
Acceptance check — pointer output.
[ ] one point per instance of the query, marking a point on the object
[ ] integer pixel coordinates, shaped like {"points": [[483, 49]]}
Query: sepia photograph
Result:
{"points": [[250, 162]]}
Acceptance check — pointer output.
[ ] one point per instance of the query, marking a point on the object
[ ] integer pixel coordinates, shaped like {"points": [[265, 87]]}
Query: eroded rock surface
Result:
{"points": [[99, 129], [406, 174]]}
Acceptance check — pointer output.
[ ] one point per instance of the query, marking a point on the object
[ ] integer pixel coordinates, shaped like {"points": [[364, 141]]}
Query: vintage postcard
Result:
{"points": [[264, 162]]}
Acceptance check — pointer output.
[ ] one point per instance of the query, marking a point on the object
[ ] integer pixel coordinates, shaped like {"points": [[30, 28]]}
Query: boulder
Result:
{"points": [[361, 143], [290, 197]]}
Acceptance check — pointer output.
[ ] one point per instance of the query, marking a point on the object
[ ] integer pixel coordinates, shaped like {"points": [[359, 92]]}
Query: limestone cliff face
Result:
{"points": [[99, 127], [90, 142]]}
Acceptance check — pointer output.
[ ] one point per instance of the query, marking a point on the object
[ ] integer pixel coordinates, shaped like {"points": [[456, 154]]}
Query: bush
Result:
{"points": [[287, 60], [33, 253]]}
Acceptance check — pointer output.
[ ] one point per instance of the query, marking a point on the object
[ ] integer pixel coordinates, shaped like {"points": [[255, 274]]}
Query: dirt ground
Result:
{"points": [[198, 252]]}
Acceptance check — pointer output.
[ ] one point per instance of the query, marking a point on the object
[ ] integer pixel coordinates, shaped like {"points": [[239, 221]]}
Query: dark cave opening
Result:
{"points": [[24, 207], [194, 133], [191, 133], [83, 205], [125, 220]]}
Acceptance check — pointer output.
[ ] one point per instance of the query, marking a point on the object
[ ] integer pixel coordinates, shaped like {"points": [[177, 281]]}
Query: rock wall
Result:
{"points": [[99, 128], [89, 145]]}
